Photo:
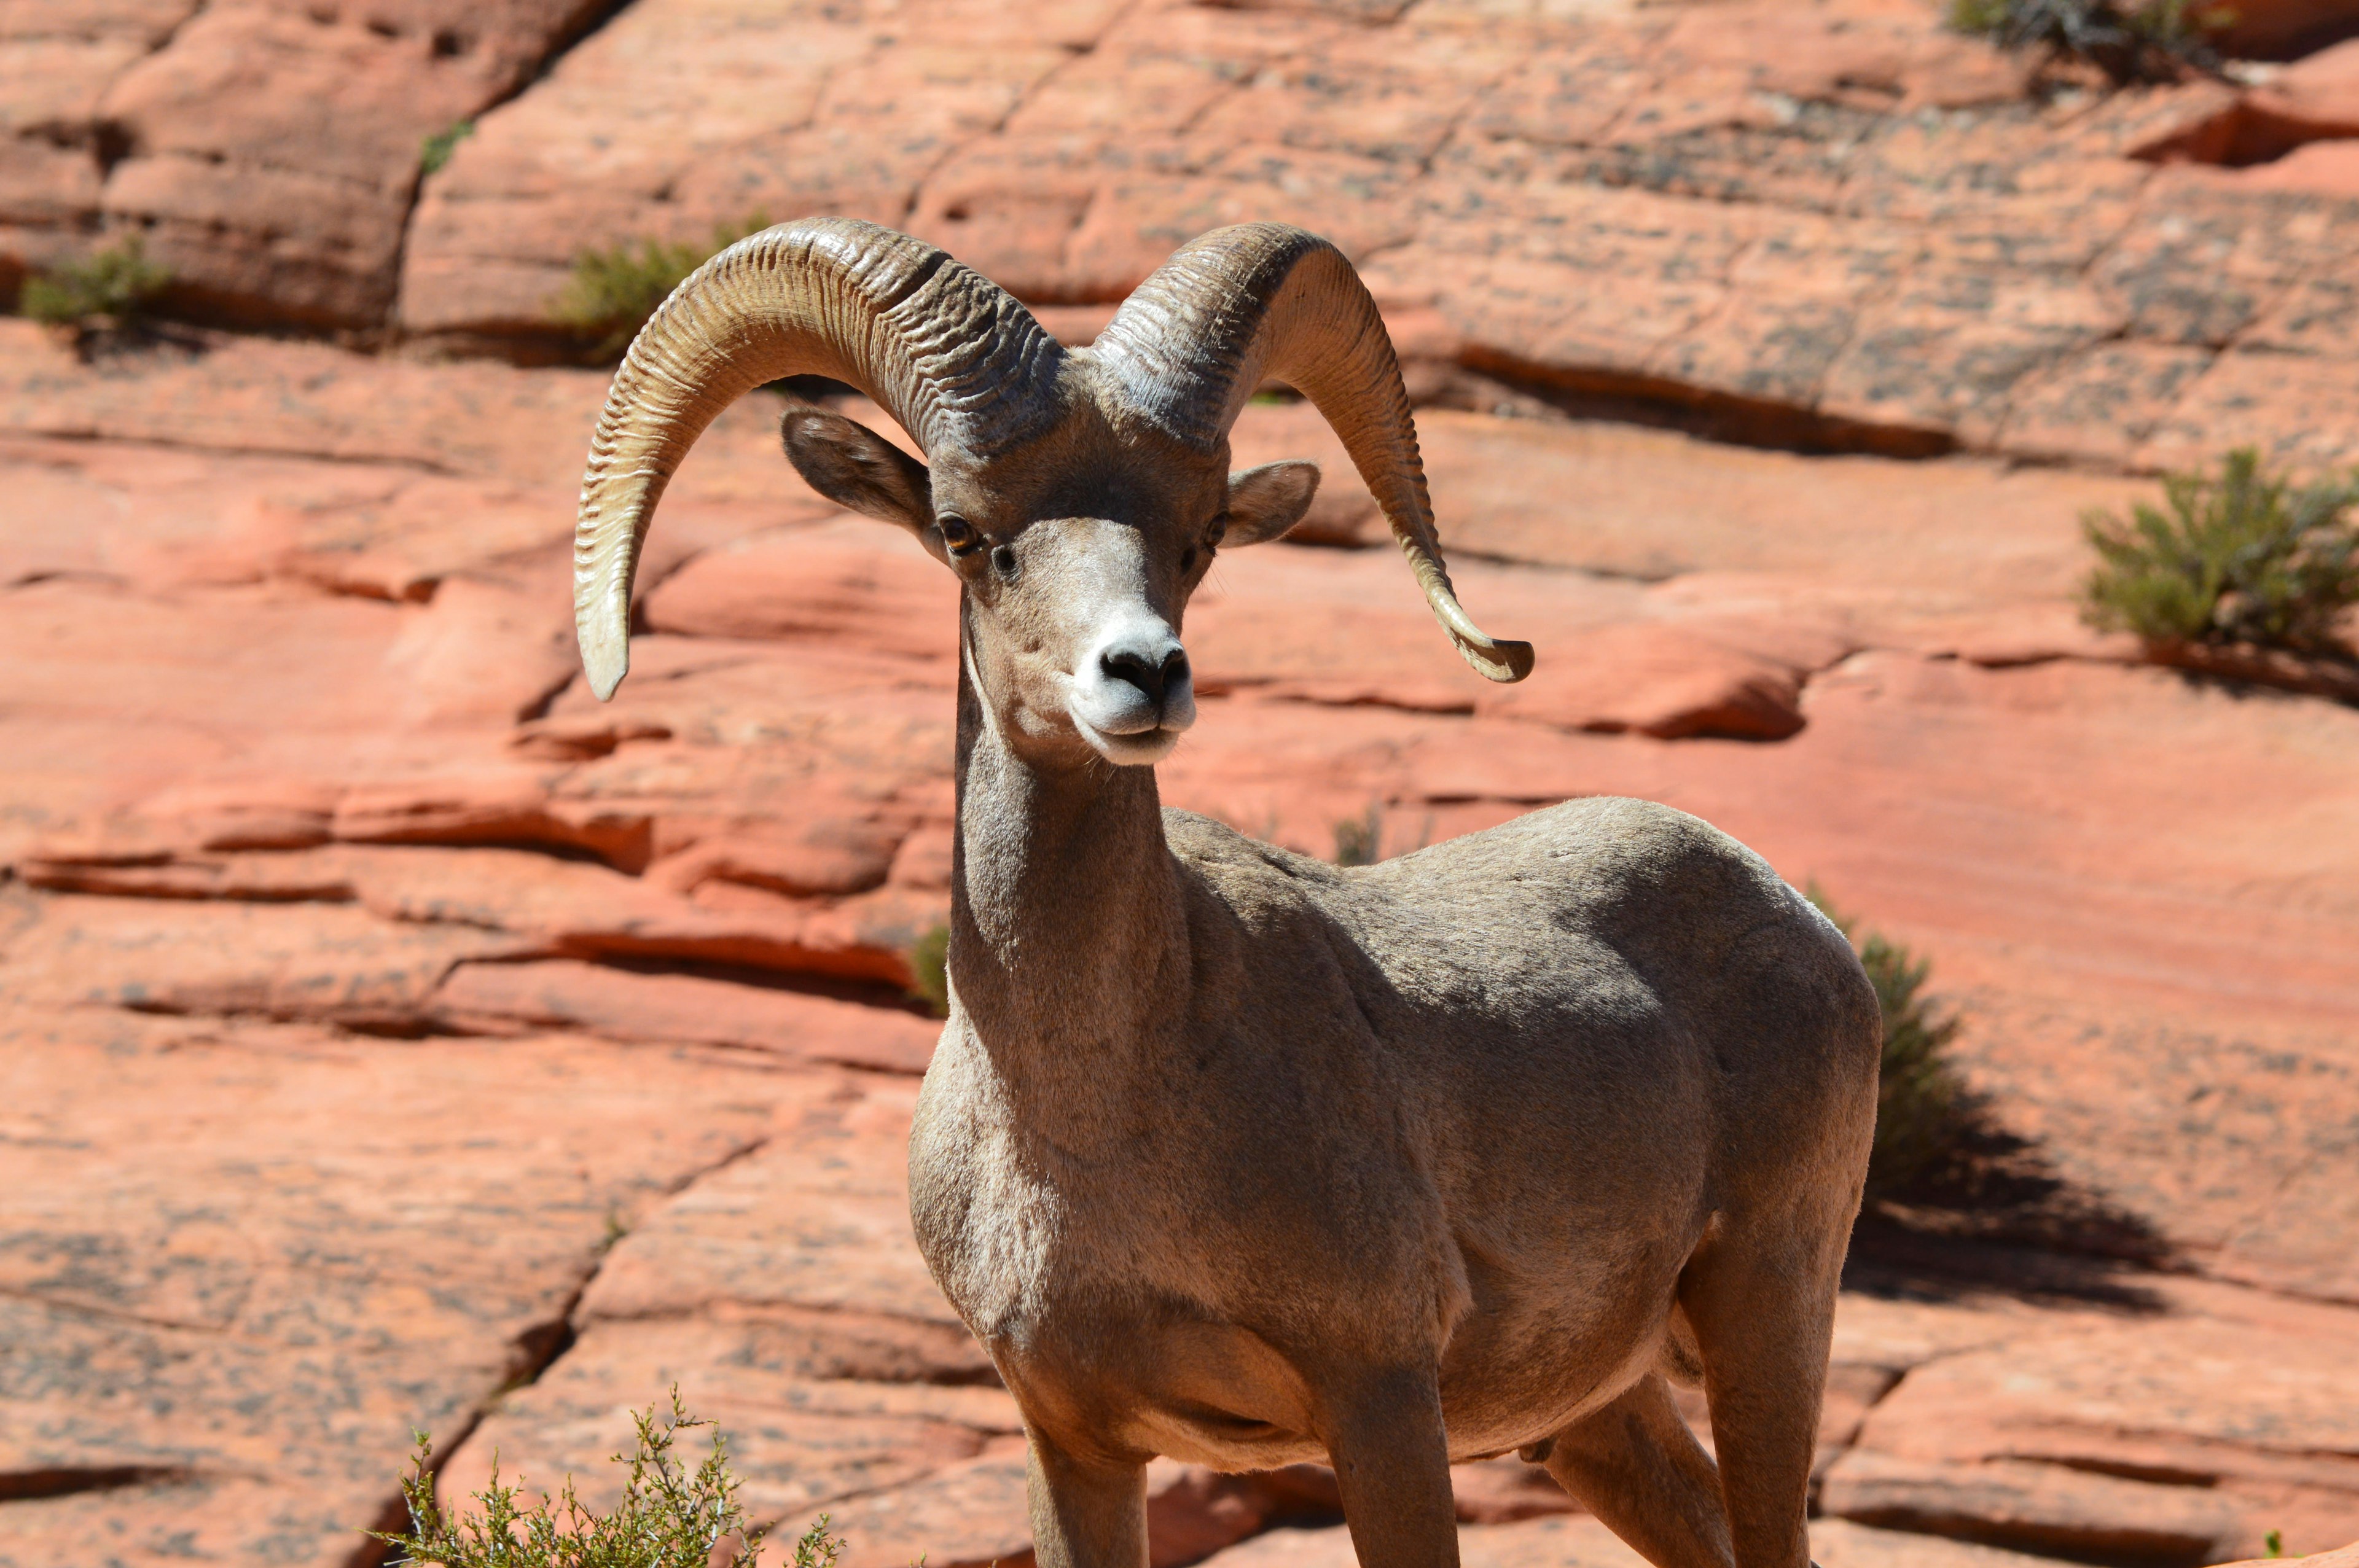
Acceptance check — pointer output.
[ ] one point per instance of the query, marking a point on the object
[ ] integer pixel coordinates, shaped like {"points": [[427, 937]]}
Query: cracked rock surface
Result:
{"points": [[1837, 225]]}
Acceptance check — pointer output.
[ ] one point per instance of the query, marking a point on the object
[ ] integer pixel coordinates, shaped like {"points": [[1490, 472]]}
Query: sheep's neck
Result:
{"points": [[1069, 938]]}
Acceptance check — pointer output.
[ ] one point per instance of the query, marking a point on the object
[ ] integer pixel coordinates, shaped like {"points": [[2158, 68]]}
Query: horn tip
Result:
{"points": [[1499, 659], [606, 658]]}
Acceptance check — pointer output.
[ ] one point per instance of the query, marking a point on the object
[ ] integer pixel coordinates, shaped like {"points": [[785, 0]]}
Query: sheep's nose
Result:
{"points": [[1141, 669]]}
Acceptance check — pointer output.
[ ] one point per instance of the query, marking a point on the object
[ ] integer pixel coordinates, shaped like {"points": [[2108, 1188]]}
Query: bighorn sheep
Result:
{"points": [[1225, 1153]]}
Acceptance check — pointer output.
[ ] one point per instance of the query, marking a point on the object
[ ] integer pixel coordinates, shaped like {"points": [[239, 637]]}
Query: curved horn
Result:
{"points": [[939, 347], [1190, 344]]}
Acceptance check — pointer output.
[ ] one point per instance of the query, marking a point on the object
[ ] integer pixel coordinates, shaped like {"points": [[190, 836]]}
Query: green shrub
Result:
{"points": [[1920, 1105], [1359, 840], [107, 288], [613, 292], [668, 1518], [2155, 41], [2240, 558], [930, 968], [436, 150]]}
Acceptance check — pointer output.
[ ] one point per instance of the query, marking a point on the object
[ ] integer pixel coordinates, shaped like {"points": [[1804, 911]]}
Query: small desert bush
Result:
{"points": [[1920, 1105], [109, 288], [2238, 556], [613, 292], [2155, 41], [436, 150], [669, 1517], [1359, 840], [929, 971]]}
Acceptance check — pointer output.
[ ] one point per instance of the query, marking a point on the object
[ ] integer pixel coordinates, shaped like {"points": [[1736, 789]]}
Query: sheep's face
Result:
{"points": [[1078, 564]]}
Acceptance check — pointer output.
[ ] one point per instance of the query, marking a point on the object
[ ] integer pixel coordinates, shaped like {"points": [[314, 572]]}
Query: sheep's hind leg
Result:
{"points": [[1384, 1434], [1085, 1516], [1637, 1467], [1762, 1299]]}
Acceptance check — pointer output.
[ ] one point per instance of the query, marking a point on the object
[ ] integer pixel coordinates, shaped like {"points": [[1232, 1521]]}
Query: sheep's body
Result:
{"points": [[1227, 1154], [1479, 1102]]}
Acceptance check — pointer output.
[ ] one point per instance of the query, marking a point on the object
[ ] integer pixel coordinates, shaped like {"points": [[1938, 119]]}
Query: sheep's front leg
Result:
{"points": [[1085, 1514], [1392, 1463]]}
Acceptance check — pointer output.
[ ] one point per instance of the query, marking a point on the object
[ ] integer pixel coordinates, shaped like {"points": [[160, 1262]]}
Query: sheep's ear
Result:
{"points": [[858, 469], [1264, 502]]}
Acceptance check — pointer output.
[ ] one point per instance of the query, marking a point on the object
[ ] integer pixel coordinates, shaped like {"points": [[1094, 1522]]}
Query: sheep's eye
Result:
{"points": [[958, 535], [1213, 533]]}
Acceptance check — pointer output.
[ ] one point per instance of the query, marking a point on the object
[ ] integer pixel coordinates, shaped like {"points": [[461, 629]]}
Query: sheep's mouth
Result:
{"points": [[1138, 748], [1126, 727]]}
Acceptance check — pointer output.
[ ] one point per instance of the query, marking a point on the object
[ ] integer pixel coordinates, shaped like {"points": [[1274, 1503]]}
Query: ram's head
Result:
{"points": [[1080, 494]]}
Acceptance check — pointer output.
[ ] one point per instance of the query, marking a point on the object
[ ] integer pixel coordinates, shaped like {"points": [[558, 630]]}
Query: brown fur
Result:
{"points": [[1232, 1155], [1227, 1153]]}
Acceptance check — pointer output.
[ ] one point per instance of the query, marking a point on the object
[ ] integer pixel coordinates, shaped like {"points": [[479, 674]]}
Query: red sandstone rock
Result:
{"points": [[856, 583], [57, 60], [1659, 681], [309, 401], [818, 1220], [2027, 1442], [243, 1262], [1742, 213], [2099, 406], [828, 858], [2273, 28], [1923, 275], [1586, 1544], [496, 234], [1501, 1491], [2318, 168], [972, 1515], [335, 965], [2312, 100], [621, 1004], [273, 150], [2037, 1508], [1840, 1543], [801, 1434], [2341, 1558], [541, 904], [2227, 406]]}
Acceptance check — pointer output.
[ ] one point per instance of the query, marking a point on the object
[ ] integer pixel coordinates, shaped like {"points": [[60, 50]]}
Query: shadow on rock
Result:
{"points": [[1993, 1214], [136, 343]]}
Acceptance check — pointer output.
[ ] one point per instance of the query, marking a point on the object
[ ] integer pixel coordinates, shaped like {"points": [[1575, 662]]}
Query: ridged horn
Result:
{"points": [[1192, 342], [942, 348]]}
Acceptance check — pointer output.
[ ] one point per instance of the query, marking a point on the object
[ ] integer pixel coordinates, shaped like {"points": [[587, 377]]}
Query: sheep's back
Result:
{"points": [[1603, 976]]}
